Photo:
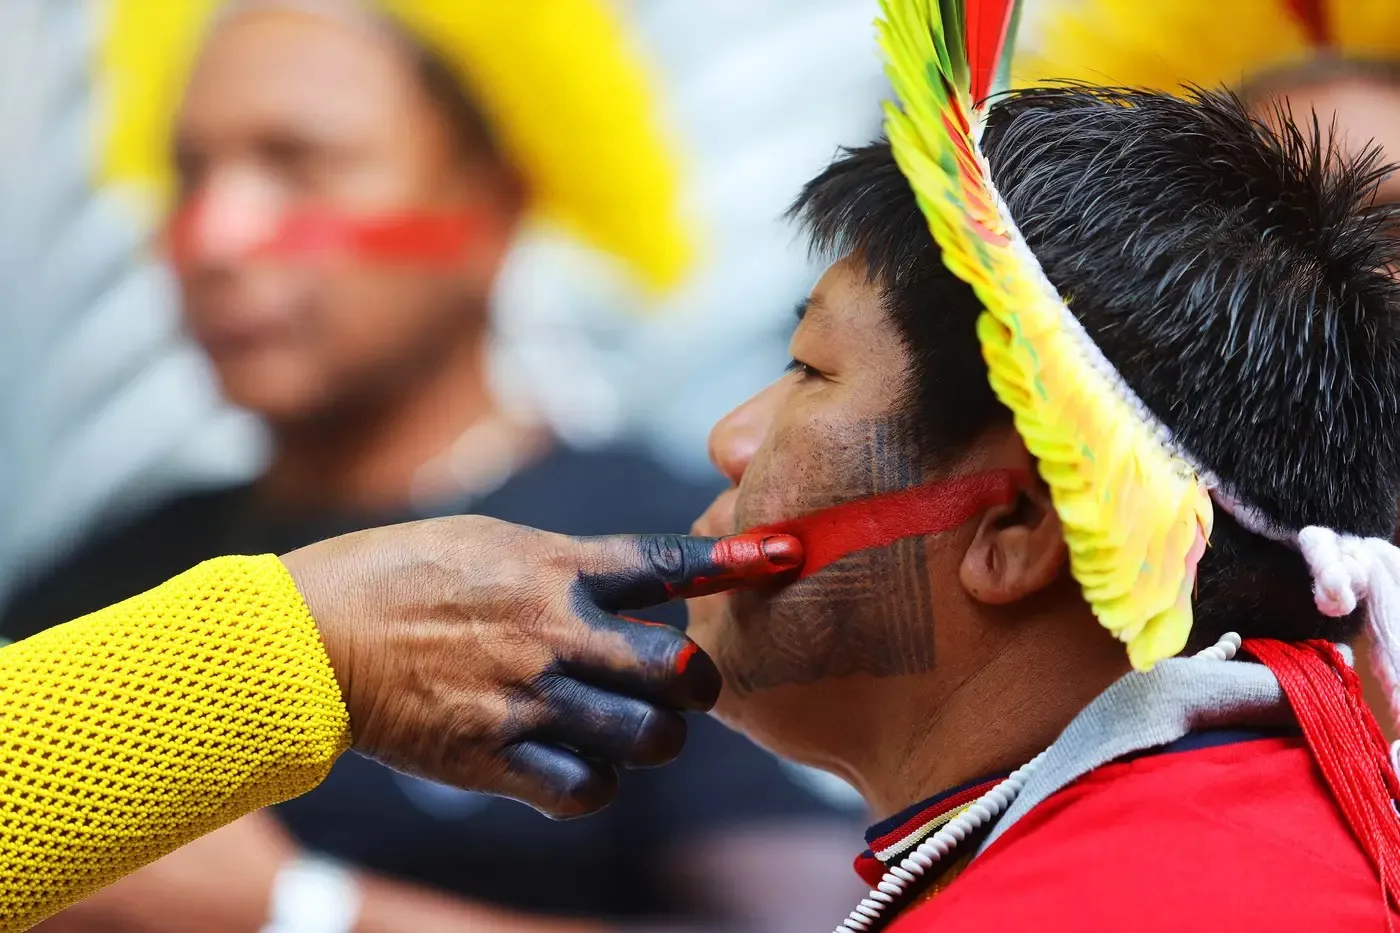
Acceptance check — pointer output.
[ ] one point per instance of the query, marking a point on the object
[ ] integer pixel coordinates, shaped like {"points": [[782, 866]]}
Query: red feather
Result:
{"points": [[988, 22], [1312, 14]]}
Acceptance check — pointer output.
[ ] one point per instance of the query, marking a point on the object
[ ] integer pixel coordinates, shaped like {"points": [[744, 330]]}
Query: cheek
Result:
{"points": [[805, 464], [385, 319]]}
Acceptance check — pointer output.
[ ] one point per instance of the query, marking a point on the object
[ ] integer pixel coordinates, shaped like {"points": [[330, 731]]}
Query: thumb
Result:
{"points": [[636, 571]]}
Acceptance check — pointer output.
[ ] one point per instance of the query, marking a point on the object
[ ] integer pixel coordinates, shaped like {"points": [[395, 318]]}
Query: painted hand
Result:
{"points": [[490, 656]]}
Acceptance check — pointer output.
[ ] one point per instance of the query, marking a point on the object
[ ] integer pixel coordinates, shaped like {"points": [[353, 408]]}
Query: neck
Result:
{"points": [[367, 457], [1012, 704]]}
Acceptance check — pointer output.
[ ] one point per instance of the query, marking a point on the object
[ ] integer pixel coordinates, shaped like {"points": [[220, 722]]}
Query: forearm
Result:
{"points": [[134, 730]]}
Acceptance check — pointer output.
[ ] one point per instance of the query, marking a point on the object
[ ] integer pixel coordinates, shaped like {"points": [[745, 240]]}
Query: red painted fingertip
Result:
{"points": [[782, 551], [744, 560], [684, 657], [755, 556]]}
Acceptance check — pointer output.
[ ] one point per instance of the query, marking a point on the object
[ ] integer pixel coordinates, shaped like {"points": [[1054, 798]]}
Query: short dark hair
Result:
{"points": [[1234, 275], [448, 89], [451, 93]]}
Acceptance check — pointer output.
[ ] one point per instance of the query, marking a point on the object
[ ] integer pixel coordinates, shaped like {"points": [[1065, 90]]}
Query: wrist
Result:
{"points": [[312, 894], [306, 566]]}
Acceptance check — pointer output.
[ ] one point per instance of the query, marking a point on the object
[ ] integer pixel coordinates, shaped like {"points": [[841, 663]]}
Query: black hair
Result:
{"points": [[1234, 275], [452, 94]]}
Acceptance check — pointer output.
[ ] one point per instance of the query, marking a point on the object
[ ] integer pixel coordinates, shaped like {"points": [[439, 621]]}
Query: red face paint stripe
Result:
{"points": [[830, 534], [421, 238]]}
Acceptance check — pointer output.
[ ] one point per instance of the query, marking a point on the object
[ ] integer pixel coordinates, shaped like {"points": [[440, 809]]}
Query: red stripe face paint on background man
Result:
{"points": [[424, 239]]}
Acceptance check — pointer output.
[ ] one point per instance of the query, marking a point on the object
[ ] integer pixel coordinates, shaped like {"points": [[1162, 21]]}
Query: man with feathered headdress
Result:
{"points": [[343, 180], [1092, 368]]}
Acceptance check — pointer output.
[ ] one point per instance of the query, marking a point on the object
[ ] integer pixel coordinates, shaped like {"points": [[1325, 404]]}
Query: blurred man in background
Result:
{"points": [[1339, 59], [326, 162]]}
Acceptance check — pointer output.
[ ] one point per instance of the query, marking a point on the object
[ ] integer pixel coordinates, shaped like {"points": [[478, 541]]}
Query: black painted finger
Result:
{"points": [[557, 782], [606, 726], [648, 660], [636, 571]]}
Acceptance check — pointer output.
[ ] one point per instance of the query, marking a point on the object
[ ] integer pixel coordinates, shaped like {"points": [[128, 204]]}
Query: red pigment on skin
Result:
{"points": [[830, 534], [687, 652], [417, 237], [743, 560], [683, 659]]}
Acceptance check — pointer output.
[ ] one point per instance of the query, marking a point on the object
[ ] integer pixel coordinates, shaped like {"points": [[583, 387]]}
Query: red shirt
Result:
{"points": [[1237, 837]]}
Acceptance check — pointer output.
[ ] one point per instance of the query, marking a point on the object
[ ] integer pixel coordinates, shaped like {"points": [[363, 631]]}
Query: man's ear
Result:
{"points": [[1019, 550]]}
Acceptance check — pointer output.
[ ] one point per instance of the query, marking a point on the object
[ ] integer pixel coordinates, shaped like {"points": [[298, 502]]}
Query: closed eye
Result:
{"points": [[801, 368]]}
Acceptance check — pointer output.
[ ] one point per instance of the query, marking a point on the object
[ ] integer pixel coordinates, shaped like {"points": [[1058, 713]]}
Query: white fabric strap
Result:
{"points": [[313, 895], [1348, 570]]}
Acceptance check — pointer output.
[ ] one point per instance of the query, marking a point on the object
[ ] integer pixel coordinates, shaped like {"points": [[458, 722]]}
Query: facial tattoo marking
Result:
{"points": [[868, 613]]}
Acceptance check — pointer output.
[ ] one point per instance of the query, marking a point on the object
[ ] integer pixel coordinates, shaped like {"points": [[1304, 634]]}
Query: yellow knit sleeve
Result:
{"points": [[127, 733]]}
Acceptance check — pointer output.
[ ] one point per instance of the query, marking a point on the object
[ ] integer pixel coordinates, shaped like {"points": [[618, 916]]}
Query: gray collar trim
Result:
{"points": [[1143, 711]]}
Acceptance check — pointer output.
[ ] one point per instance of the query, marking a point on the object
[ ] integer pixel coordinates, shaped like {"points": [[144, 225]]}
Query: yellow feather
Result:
{"points": [[1367, 28], [1167, 43], [1135, 514], [560, 80]]}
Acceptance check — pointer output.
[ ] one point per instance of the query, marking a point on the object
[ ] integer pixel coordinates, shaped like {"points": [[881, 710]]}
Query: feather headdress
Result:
{"points": [[1136, 508], [1136, 513], [1163, 45], [559, 80]]}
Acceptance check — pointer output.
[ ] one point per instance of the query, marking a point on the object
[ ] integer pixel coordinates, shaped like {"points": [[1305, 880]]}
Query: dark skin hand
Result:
{"points": [[489, 656]]}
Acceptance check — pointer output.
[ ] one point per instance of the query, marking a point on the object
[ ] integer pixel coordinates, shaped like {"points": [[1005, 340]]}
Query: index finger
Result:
{"points": [[636, 571]]}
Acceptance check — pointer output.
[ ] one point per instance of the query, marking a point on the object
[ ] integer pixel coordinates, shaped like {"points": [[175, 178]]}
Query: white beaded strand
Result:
{"points": [[981, 812], [1223, 650]]}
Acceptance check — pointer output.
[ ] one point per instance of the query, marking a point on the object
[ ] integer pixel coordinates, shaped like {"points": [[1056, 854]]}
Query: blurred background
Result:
{"points": [[105, 407], [226, 326]]}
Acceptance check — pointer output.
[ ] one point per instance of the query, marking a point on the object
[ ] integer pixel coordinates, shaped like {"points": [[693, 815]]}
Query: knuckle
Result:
{"points": [[660, 652], [460, 742], [559, 554], [647, 725], [665, 555]]}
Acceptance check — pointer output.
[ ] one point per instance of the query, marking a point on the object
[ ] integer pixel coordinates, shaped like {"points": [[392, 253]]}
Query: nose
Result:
{"points": [[226, 220], [738, 435]]}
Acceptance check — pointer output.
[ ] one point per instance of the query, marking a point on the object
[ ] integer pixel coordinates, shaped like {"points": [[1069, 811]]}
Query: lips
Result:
{"points": [[236, 335]]}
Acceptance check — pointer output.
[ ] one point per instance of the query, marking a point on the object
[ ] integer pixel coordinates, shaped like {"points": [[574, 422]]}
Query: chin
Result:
{"points": [[793, 721], [273, 396]]}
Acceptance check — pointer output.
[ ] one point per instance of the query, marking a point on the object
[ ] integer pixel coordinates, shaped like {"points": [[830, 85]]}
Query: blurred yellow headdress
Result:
{"points": [[1162, 44], [560, 82]]}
